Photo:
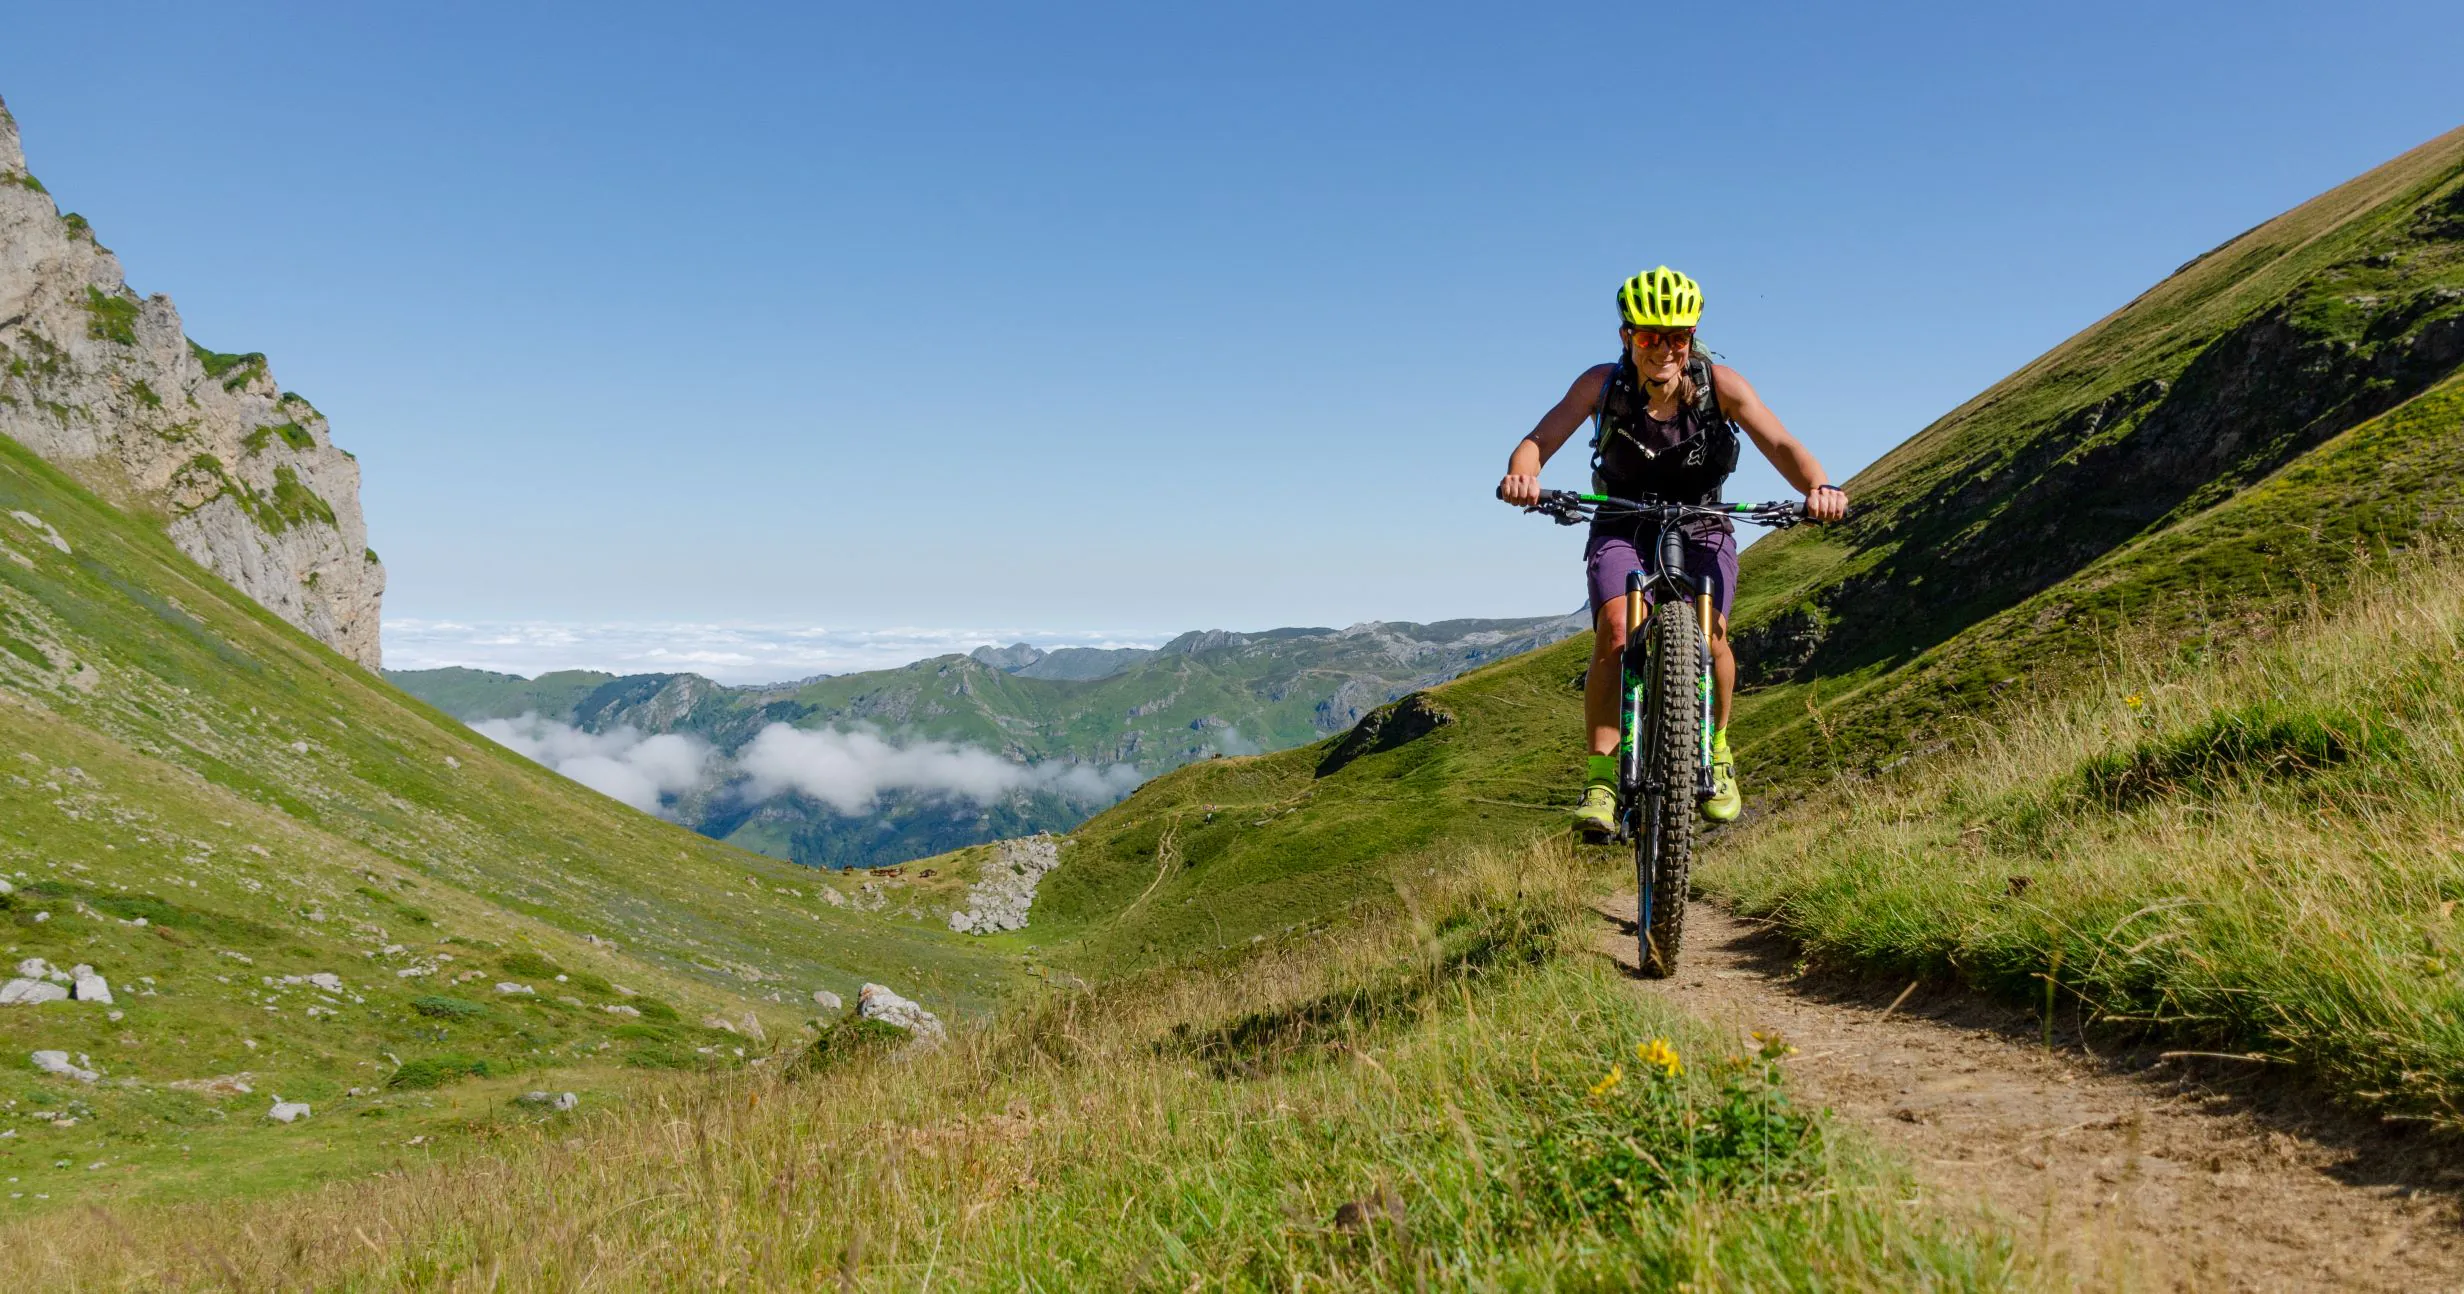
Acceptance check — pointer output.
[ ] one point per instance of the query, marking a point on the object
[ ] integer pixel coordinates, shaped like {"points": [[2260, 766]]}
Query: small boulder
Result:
{"points": [[35, 968], [827, 1000], [287, 1111], [92, 987], [327, 980], [879, 1002], [620, 1008], [516, 989], [27, 992], [557, 1101], [57, 1062]]}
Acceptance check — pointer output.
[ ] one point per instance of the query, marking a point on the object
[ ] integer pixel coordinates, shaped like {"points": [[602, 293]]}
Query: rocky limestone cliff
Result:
{"points": [[105, 384]]}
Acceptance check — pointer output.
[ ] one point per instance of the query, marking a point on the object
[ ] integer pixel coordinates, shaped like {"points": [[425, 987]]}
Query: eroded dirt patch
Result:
{"points": [[2136, 1171]]}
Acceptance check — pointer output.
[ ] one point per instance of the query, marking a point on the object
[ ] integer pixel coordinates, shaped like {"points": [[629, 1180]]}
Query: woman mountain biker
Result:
{"points": [[1667, 421]]}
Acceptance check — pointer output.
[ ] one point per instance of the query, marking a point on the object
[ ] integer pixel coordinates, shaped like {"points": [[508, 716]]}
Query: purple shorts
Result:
{"points": [[1712, 557]]}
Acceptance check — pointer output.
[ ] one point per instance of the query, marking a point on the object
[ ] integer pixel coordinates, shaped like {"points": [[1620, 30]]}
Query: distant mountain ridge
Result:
{"points": [[1204, 693]]}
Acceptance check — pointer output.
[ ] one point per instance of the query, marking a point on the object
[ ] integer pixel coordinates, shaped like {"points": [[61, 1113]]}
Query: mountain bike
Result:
{"points": [[1664, 705]]}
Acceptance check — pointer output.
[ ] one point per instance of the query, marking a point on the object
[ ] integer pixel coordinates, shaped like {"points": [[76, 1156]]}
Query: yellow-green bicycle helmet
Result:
{"points": [[1660, 298]]}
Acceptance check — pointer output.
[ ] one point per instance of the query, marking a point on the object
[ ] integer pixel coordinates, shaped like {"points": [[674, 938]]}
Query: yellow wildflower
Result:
{"points": [[1658, 1054], [1608, 1082], [2134, 701]]}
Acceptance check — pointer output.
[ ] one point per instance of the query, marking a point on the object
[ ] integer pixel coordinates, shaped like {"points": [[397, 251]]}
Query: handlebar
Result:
{"points": [[1570, 508]]}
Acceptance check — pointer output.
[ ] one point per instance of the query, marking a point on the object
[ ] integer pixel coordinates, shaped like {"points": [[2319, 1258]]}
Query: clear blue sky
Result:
{"points": [[1133, 317]]}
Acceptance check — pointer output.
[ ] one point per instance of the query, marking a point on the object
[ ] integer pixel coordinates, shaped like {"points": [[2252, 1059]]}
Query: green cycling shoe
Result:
{"points": [[1595, 819], [1725, 803]]}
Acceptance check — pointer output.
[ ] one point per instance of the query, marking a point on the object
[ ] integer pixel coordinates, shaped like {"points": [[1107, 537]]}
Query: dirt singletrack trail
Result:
{"points": [[2136, 1173]]}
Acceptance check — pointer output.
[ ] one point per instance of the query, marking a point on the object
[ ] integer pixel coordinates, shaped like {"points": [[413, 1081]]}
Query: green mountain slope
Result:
{"points": [[2013, 533], [209, 808], [1231, 849]]}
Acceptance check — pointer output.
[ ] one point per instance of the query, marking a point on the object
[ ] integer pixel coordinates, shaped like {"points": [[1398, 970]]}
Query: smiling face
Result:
{"points": [[1659, 353]]}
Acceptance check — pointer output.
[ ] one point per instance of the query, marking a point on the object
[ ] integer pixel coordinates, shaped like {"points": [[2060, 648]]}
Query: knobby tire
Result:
{"points": [[1669, 745]]}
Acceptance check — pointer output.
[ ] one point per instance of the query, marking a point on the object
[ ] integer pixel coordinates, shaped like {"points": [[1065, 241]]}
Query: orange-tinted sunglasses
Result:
{"points": [[1673, 338]]}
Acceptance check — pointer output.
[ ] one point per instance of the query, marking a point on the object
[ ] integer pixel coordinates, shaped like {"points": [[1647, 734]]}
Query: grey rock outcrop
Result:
{"points": [[879, 1002], [287, 1111], [827, 1000], [106, 385], [57, 1062], [28, 992], [1000, 900]]}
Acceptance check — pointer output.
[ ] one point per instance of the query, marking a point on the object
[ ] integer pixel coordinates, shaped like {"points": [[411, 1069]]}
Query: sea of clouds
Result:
{"points": [[729, 653], [846, 770]]}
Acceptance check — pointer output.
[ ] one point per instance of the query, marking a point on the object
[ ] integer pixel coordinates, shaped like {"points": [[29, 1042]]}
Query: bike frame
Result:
{"points": [[1642, 794]]}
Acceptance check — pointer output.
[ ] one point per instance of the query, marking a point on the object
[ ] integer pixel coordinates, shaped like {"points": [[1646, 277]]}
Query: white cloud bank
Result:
{"points": [[622, 765], [728, 653], [847, 770]]}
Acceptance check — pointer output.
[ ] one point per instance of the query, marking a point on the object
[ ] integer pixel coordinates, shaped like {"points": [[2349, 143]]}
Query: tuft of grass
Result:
{"points": [[439, 1007], [111, 316], [2250, 847], [233, 371]]}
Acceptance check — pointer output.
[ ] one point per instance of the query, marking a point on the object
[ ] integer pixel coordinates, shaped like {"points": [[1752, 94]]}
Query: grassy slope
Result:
{"points": [[2243, 362], [1228, 850], [2257, 847], [170, 751], [1401, 1106]]}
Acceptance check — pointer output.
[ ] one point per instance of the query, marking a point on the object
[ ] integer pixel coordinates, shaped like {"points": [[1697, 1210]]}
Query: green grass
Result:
{"points": [[292, 434], [2251, 848], [173, 754], [1458, 1135], [111, 316], [233, 371]]}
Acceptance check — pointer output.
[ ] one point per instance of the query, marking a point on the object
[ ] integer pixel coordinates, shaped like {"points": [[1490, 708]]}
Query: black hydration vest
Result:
{"points": [[1693, 470]]}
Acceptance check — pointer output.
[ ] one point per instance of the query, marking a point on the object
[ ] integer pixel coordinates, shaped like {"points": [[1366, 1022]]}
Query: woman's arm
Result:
{"points": [[1522, 484], [1786, 452]]}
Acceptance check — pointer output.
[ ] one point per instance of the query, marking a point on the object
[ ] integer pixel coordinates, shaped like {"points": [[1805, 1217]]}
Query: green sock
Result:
{"points": [[1602, 771], [1719, 739]]}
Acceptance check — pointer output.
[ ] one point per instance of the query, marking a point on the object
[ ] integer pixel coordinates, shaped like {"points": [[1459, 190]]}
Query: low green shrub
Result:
{"points": [[436, 1071]]}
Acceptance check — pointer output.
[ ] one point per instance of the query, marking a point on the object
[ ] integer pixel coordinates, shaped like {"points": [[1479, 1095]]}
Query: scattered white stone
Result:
{"points": [[42, 529], [287, 1111], [833, 897], [517, 989], [999, 901], [57, 1062], [41, 917], [559, 1101], [750, 1026], [219, 1085], [621, 1009], [327, 980], [35, 968], [879, 1002], [5, 887], [92, 987], [827, 1000], [569, 1000], [451, 762], [718, 1022], [115, 1016]]}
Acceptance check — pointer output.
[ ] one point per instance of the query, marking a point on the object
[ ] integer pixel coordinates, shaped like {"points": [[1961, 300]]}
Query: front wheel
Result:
{"points": [[1668, 746]]}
